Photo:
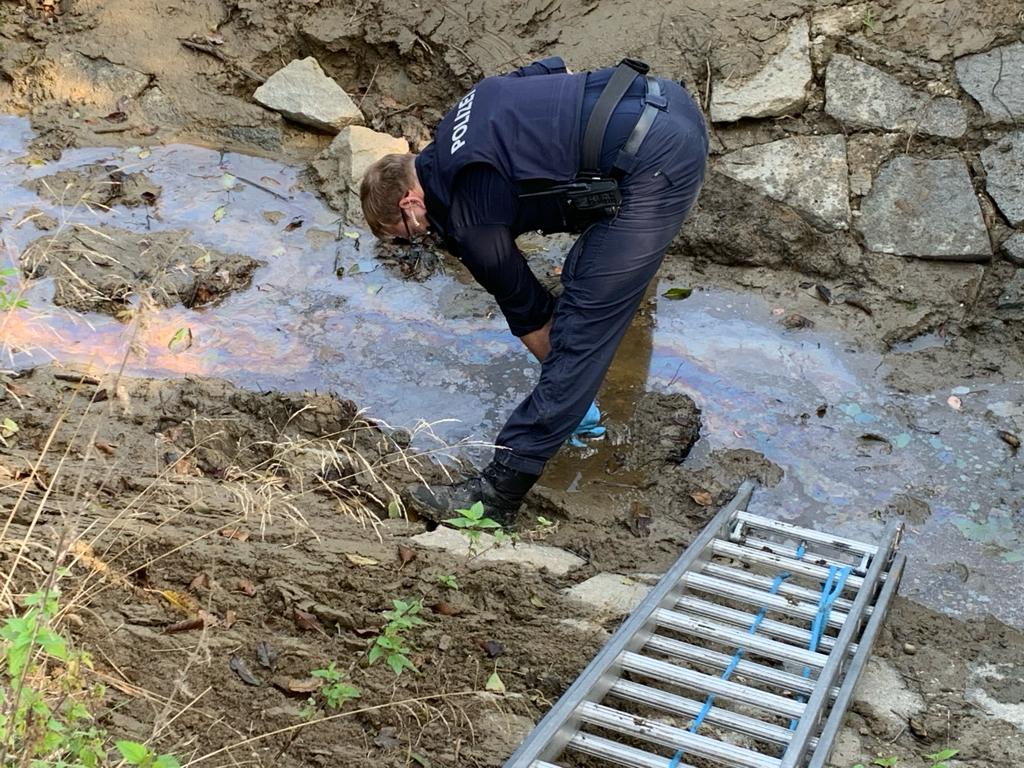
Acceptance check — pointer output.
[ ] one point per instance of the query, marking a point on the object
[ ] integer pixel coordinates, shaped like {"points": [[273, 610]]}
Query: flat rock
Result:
{"points": [[925, 208], [302, 92], [610, 593], [534, 556], [1012, 295], [779, 88], [1004, 165], [860, 95], [884, 693], [808, 173], [996, 81], [94, 81], [1013, 249], [341, 166]]}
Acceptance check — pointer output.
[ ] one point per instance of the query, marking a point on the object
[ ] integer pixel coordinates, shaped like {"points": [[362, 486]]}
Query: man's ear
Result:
{"points": [[411, 199]]}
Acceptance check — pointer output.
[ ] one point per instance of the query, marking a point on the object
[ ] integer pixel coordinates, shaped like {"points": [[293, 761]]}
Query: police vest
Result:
{"points": [[525, 127]]}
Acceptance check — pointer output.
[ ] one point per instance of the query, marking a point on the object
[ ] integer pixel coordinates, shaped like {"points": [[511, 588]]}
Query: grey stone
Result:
{"points": [[988, 686], [925, 208], [1012, 295], [846, 750], [779, 88], [534, 556], [303, 93], [96, 81], [610, 593], [1004, 165], [1013, 249], [808, 173], [996, 80], [861, 95], [883, 691], [341, 166]]}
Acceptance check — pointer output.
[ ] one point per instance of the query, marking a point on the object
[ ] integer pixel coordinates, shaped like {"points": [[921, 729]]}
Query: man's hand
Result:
{"points": [[539, 341]]}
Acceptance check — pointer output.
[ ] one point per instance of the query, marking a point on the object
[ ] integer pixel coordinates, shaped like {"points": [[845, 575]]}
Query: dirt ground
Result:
{"points": [[266, 515]]}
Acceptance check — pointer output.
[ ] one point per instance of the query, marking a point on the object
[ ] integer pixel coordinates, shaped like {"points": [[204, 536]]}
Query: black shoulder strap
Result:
{"points": [[609, 99]]}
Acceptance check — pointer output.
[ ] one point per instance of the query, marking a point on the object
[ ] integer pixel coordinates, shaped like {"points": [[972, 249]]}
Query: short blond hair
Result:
{"points": [[384, 184]]}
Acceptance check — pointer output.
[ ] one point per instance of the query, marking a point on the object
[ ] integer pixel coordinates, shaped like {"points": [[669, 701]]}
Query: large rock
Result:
{"points": [[536, 557], [996, 80], [609, 593], [808, 172], [1012, 295], [341, 166], [1013, 249], [82, 79], [303, 93], [780, 88], [925, 208], [1004, 164], [858, 94]]}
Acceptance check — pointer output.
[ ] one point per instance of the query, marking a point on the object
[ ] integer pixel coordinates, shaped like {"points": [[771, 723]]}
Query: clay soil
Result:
{"points": [[221, 544]]}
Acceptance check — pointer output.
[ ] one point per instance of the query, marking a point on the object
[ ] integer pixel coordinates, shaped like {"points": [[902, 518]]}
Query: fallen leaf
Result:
{"points": [[184, 603], [227, 181], [266, 655], [778, 311], [238, 667], [1010, 439], [678, 293], [307, 621], [230, 617], [872, 437], [291, 685], [361, 560], [406, 555], [702, 497], [494, 683], [147, 130], [821, 410], [823, 293], [536, 602], [859, 303], [220, 213], [492, 648], [246, 587], [144, 154], [954, 402], [270, 181], [106, 448], [200, 582], [445, 609], [793, 321], [423, 761], [185, 625], [293, 224], [234, 533]]}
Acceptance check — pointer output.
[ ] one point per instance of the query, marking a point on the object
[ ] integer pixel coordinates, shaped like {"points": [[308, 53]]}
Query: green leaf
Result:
{"points": [[477, 510], [678, 293], [220, 213], [132, 752], [420, 759], [494, 683], [461, 522], [394, 511], [944, 754], [166, 761], [487, 523], [376, 652], [398, 662], [885, 762]]}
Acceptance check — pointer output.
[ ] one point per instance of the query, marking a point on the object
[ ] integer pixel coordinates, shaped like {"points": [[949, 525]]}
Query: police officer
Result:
{"points": [[614, 154]]}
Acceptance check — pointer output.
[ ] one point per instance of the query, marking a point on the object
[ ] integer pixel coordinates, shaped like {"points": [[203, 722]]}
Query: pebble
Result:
{"points": [[909, 649]]}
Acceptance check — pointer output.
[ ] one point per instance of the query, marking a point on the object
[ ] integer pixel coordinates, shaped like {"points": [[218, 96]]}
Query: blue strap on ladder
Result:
{"points": [[677, 758]]}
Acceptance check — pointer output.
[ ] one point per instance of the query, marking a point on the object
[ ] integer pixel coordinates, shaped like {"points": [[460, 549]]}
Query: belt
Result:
{"points": [[613, 93]]}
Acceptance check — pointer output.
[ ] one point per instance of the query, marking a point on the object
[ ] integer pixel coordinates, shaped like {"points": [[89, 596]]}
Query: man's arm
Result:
{"points": [[553, 65]]}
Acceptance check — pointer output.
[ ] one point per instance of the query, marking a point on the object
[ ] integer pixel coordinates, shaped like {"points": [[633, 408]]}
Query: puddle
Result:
{"points": [[385, 342]]}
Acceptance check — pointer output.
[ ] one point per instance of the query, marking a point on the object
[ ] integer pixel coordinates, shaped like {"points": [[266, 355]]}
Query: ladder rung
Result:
{"points": [[542, 764], [744, 620], [758, 598], [702, 683], [750, 555], [805, 534], [779, 678], [680, 705], [778, 548], [595, 746], [740, 576], [674, 738], [737, 638]]}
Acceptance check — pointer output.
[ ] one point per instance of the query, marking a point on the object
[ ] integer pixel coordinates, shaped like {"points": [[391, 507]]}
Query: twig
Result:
{"points": [[76, 378], [209, 50], [259, 186], [115, 129], [369, 85]]}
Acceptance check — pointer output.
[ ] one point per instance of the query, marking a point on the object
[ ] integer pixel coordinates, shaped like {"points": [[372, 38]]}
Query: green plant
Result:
{"points": [[138, 754], [938, 759], [8, 428], [449, 581], [335, 692], [543, 522], [44, 720], [869, 20], [472, 523], [391, 643], [9, 299], [885, 762]]}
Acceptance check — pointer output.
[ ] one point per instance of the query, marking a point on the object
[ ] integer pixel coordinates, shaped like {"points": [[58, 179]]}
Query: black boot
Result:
{"points": [[501, 490]]}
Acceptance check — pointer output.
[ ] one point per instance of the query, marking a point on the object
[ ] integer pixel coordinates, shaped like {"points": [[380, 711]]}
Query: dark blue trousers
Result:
{"points": [[605, 277]]}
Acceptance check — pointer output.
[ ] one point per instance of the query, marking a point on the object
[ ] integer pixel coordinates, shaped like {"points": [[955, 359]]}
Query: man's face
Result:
{"points": [[413, 220]]}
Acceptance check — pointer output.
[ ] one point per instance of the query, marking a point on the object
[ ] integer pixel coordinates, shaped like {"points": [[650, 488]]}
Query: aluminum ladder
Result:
{"points": [[725, 633]]}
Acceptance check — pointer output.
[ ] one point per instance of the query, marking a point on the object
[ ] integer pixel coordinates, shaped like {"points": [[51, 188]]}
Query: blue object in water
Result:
{"points": [[589, 428]]}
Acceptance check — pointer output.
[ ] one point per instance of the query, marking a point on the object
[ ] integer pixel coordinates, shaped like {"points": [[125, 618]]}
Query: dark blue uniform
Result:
{"points": [[512, 131]]}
